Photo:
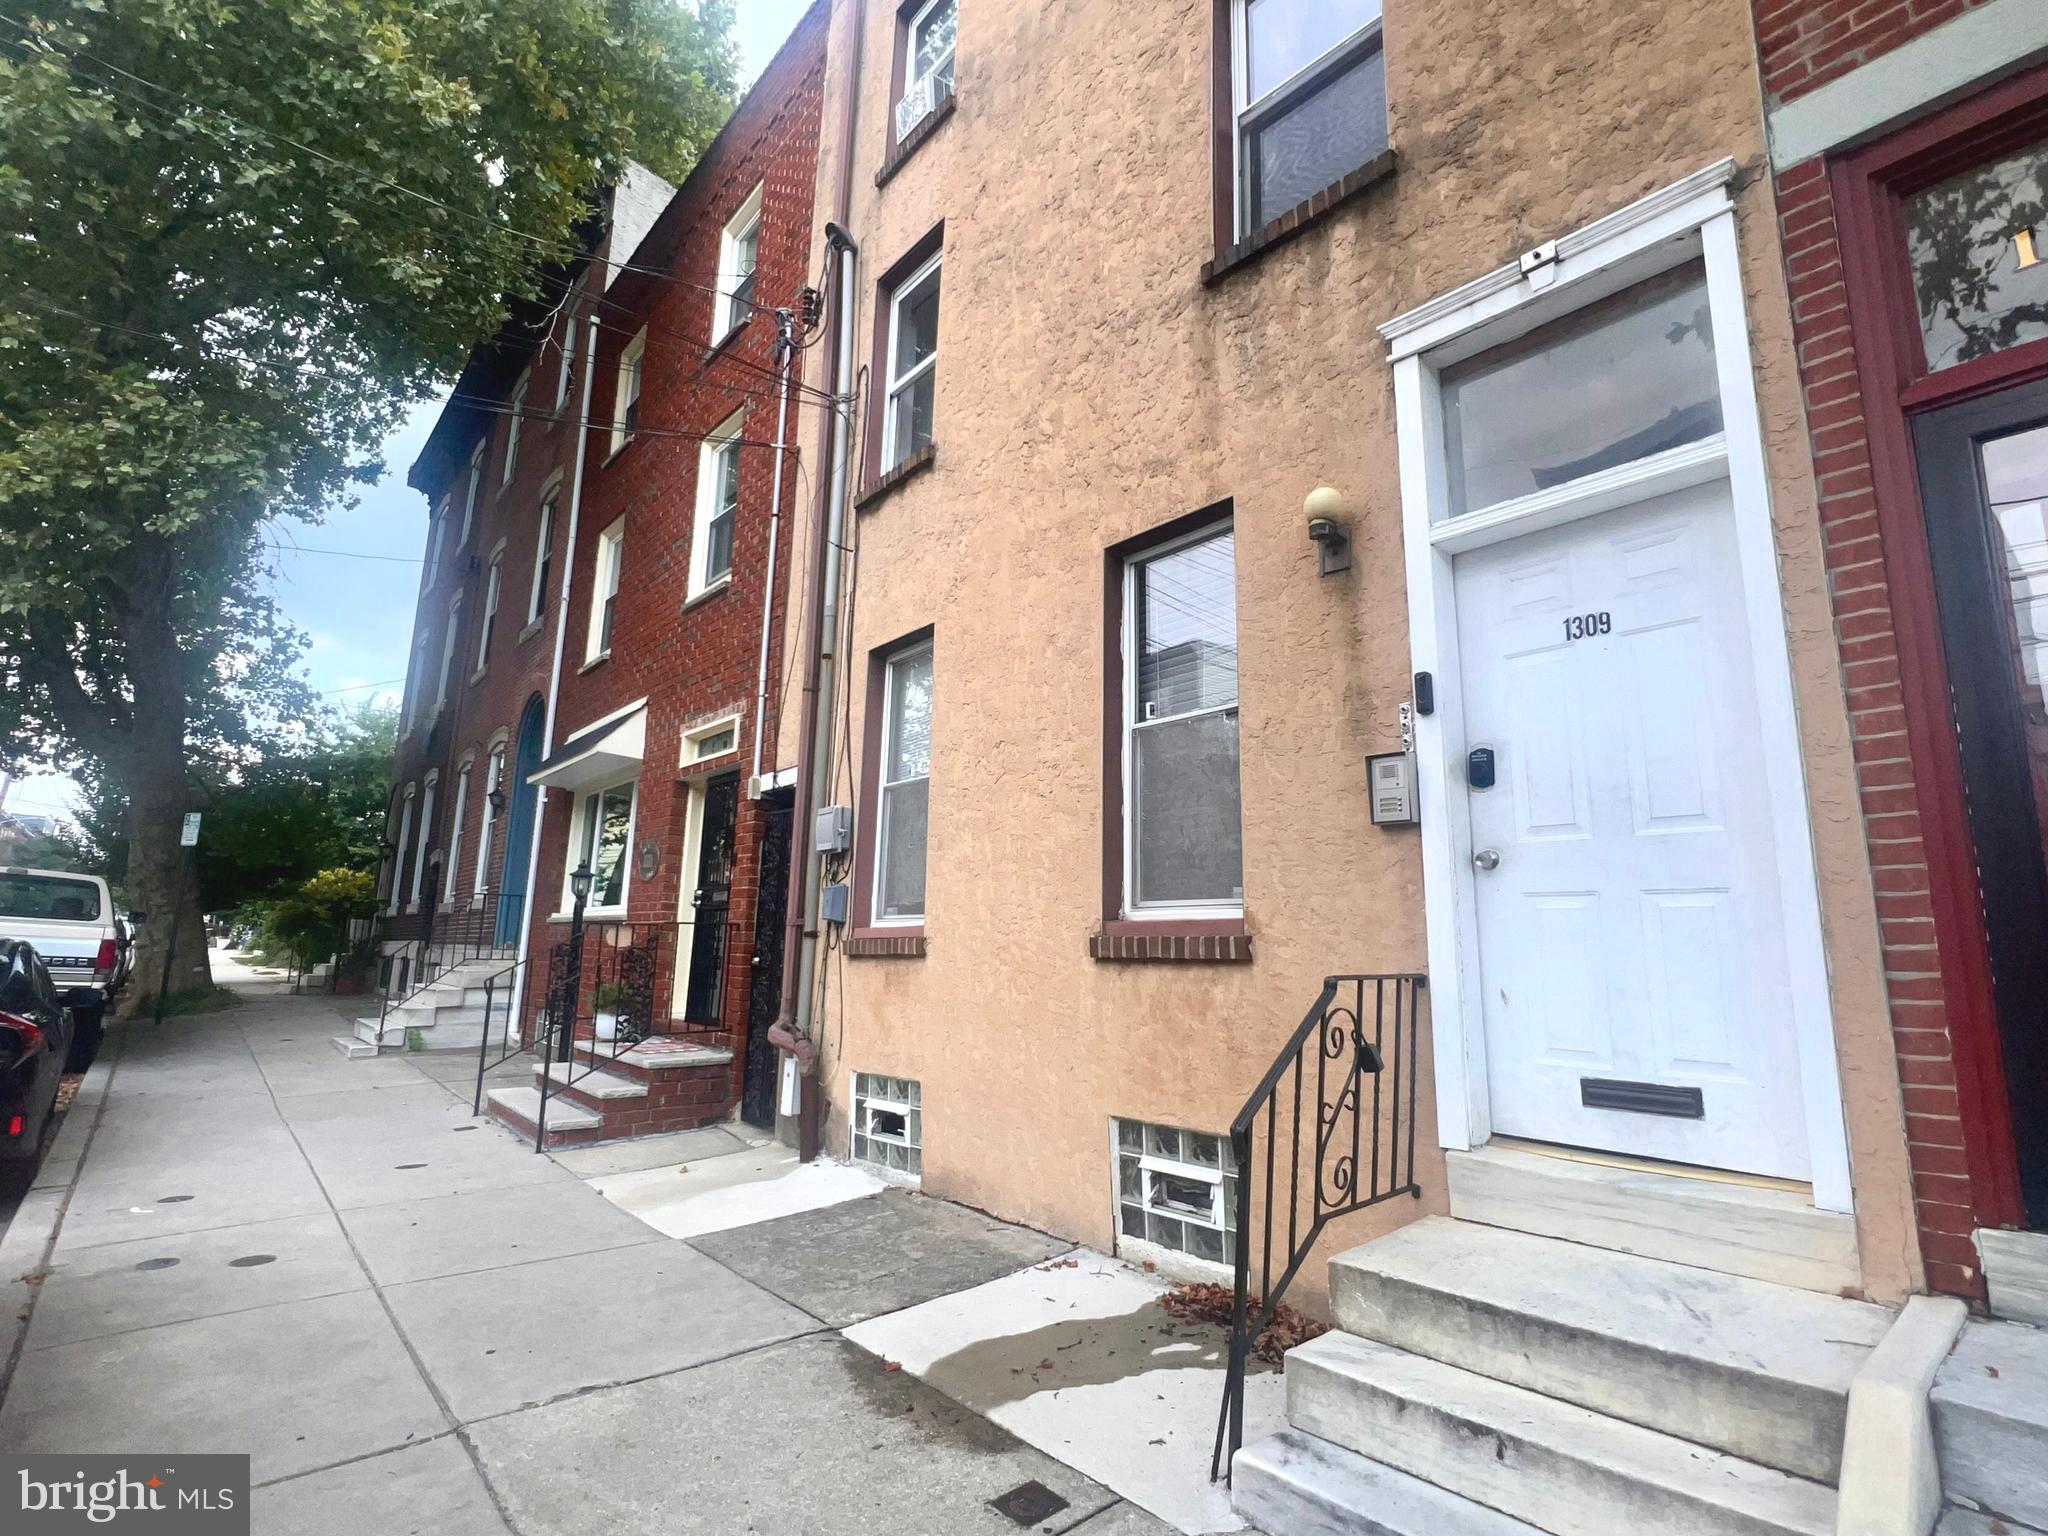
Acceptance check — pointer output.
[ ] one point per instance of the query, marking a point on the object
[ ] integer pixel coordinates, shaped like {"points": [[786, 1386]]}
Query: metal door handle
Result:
{"points": [[1486, 858]]}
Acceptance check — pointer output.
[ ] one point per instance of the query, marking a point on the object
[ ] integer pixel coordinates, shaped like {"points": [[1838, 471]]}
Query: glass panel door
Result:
{"points": [[703, 1000]]}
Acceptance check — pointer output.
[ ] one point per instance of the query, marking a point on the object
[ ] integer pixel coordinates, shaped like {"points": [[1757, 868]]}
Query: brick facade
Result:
{"points": [[1804, 44]]}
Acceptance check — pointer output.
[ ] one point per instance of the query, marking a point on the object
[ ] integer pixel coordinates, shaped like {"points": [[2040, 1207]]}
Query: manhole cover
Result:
{"points": [[1029, 1503], [157, 1264], [408, 1165], [251, 1260], [172, 1199]]}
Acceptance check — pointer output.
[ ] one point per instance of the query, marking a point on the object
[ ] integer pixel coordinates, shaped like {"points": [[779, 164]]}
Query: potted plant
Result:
{"points": [[605, 1002]]}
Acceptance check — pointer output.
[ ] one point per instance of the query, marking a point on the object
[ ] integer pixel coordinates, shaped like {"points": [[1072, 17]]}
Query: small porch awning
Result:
{"points": [[600, 754]]}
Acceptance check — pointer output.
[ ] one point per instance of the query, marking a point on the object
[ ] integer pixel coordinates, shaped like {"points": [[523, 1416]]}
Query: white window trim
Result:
{"points": [[469, 496], [565, 372], [448, 641], [606, 568], [1247, 113], [894, 385], [515, 406], [544, 535], [398, 851], [722, 437], [632, 371], [1133, 911], [437, 534], [494, 593], [725, 307], [426, 836], [494, 778], [913, 77], [1691, 219], [455, 831], [579, 834], [882, 785], [693, 757]]}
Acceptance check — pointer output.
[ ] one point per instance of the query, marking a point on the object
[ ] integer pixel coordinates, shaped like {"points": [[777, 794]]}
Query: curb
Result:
{"points": [[31, 1236]]}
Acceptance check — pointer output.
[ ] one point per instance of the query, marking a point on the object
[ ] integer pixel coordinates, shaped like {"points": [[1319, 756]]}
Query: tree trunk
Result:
{"points": [[161, 883]]}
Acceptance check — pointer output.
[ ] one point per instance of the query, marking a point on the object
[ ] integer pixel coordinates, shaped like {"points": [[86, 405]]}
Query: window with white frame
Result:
{"points": [[912, 365], [494, 782], [399, 848], [904, 809], [888, 1122], [437, 533], [494, 581], [448, 653], [543, 557], [1183, 844], [565, 374], [515, 412], [425, 840], [718, 505], [603, 835], [626, 393], [604, 589], [469, 495], [928, 46], [739, 257], [455, 821], [1176, 1189], [1310, 96], [709, 741]]}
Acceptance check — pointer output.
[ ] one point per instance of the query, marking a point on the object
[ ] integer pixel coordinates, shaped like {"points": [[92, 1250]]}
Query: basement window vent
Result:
{"points": [[888, 1122], [1176, 1189]]}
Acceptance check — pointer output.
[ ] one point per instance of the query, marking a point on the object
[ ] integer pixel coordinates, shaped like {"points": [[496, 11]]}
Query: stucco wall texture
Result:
{"points": [[1090, 389]]}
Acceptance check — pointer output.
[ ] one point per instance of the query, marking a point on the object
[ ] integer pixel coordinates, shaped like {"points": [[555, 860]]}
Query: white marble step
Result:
{"points": [[563, 1115], [1990, 1405], [1292, 1484], [1760, 1371], [1557, 1466], [1957, 1521]]}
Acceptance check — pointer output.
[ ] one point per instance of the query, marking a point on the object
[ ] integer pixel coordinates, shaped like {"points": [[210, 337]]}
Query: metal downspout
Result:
{"points": [[785, 347]]}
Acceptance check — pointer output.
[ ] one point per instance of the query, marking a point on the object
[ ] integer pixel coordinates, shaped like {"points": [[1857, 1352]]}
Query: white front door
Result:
{"points": [[1636, 991]]}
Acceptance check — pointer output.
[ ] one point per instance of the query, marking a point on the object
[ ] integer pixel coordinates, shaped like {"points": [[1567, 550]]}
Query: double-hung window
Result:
{"points": [[604, 589], [927, 63], [904, 811], [476, 480], [1183, 844], [565, 375], [604, 833], [455, 835], [739, 256], [437, 535], [626, 399], [515, 412], [1309, 89], [543, 558], [718, 505], [494, 781], [448, 652], [493, 585], [912, 365]]}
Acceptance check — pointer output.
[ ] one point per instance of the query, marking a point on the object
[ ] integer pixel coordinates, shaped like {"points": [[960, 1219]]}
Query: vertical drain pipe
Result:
{"points": [[785, 349]]}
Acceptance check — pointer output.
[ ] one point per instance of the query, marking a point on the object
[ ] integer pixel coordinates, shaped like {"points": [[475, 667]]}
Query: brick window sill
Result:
{"points": [[910, 468], [904, 943], [1225, 941], [919, 136], [1302, 217]]}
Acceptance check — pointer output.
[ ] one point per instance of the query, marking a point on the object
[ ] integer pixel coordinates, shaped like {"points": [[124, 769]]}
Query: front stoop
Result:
{"points": [[1499, 1383], [1990, 1404], [656, 1087]]}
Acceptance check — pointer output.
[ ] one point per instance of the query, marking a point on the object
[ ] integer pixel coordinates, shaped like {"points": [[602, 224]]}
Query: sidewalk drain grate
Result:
{"points": [[157, 1264], [1029, 1503], [251, 1260]]}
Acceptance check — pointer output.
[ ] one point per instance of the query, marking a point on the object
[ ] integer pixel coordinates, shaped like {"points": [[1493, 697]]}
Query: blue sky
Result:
{"points": [[358, 611]]}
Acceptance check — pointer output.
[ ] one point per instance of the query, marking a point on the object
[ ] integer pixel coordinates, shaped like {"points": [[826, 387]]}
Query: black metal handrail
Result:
{"points": [[499, 985], [1360, 1152], [446, 939]]}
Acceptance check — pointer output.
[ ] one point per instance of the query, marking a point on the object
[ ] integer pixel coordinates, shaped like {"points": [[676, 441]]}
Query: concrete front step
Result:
{"points": [[569, 1125], [1760, 1371], [1956, 1521], [1552, 1464], [591, 1083], [653, 1060], [1990, 1404], [1293, 1484]]}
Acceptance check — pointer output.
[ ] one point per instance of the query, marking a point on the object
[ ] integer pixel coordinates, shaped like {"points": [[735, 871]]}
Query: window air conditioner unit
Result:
{"points": [[919, 102]]}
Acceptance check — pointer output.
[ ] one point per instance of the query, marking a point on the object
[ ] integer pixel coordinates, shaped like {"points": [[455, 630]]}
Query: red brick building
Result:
{"points": [[1909, 141], [613, 619]]}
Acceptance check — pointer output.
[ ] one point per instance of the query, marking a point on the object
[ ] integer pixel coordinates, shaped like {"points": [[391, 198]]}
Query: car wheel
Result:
{"points": [[86, 1032]]}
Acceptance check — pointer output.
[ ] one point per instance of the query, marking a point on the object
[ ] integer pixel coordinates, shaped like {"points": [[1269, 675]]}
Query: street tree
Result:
{"points": [[237, 239]]}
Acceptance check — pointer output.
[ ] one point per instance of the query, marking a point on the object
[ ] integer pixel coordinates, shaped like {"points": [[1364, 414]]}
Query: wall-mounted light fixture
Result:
{"points": [[1327, 526], [497, 799]]}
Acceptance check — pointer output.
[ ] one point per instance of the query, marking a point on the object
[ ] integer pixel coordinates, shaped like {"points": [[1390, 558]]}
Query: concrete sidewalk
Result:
{"points": [[414, 1324]]}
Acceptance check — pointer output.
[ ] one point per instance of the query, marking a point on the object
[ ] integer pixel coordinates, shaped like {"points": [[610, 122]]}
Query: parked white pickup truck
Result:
{"points": [[70, 919]]}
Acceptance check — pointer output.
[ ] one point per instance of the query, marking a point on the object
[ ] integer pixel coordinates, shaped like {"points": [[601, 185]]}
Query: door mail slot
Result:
{"points": [[1643, 1098]]}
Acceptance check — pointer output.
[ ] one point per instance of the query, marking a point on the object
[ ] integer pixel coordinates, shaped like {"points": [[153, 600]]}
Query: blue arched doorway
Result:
{"points": [[519, 825]]}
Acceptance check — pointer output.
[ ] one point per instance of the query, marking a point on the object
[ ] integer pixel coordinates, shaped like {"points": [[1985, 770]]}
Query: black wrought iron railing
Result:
{"points": [[1329, 1130], [499, 1041], [444, 939]]}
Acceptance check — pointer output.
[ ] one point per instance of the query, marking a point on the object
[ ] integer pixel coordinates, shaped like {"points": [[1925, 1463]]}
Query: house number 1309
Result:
{"points": [[1580, 625]]}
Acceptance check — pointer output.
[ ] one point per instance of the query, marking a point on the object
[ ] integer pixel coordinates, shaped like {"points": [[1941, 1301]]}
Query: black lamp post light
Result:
{"points": [[572, 983], [497, 799]]}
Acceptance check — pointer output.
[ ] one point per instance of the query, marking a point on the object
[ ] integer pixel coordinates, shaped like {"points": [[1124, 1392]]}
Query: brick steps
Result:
{"points": [[656, 1087]]}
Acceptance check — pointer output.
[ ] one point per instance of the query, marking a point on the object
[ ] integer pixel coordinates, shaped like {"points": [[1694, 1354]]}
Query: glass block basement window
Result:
{"points": [[888, 1122], [1175, 1188]]}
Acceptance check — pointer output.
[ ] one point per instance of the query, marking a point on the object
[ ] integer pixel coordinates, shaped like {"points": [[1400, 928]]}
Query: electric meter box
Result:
{"points": [[1390, 784], [834, 830]]}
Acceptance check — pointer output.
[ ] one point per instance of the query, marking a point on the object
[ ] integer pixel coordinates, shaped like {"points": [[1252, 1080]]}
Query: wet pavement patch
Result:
{"points": [[251, 1260], [148, 1264]]}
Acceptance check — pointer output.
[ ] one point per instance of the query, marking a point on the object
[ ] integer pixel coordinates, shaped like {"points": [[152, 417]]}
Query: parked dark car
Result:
{"points": [[35, 1036]]}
